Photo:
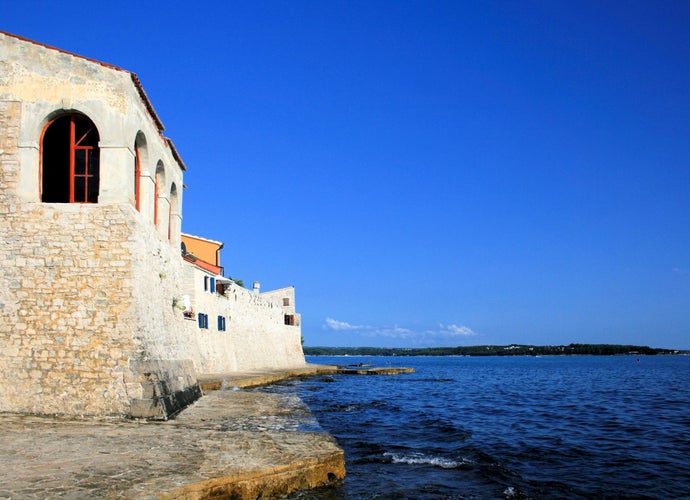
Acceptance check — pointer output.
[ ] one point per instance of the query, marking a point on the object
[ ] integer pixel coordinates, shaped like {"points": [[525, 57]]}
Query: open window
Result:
{"points": [[70, 161]]}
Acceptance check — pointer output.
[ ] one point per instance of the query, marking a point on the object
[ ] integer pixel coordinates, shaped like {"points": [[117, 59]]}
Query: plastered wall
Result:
{"points": [[256, 336]]}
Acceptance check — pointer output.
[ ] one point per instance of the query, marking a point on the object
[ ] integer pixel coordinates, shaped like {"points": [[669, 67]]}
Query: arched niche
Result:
{"points": [[140, 162]]}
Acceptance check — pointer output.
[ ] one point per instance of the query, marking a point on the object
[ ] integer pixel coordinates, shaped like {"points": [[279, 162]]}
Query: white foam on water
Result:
{"points": [[421, 459]]}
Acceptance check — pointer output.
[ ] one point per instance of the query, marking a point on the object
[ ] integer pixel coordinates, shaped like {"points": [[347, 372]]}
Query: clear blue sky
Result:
{"points": [[425, 173]]}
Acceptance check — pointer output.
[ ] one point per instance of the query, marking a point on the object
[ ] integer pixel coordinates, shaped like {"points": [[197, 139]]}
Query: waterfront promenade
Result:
{"points": [[229, 444]]}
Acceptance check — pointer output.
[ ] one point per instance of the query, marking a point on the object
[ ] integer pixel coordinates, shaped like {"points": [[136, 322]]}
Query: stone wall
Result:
{"points": [[256, 336], [88, 325]]}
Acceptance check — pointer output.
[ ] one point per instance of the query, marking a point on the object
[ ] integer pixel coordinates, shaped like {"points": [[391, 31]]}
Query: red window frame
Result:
{"points": [[81, 168], [85, 172]]}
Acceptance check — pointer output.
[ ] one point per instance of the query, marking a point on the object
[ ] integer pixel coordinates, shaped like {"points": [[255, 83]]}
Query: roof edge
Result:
{"points": [[147, 102], [203, 239], [45, 45], [176, 155], [135, 78]]}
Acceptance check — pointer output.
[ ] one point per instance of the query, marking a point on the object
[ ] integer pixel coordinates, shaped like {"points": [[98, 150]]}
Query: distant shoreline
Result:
{"points": [[497, 350]]}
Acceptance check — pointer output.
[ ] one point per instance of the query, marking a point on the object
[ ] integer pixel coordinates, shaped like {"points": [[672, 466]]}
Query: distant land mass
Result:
{"points": [[494, 350]]}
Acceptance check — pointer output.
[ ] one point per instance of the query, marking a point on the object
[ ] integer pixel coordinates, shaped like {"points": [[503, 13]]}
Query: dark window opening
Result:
{"points": [[290, 319], [70, 161]]}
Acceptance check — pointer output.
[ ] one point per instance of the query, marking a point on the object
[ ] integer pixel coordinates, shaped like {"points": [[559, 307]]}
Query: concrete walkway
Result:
{"points": [[229, 444]]}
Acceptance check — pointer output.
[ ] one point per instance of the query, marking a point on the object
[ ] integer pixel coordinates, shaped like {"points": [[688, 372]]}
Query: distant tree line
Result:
{"points": [[493, 350]]}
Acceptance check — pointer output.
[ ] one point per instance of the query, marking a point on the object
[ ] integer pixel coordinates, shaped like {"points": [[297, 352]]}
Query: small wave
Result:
{"points": [[361, 406], [421, 459]]}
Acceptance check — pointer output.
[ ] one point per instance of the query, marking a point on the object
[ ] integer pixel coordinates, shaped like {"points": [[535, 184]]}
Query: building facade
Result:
{"points": [[93, 284]]}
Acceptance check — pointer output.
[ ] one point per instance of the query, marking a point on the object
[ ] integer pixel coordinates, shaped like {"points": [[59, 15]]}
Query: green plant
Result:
{"points": [[237, 281]]}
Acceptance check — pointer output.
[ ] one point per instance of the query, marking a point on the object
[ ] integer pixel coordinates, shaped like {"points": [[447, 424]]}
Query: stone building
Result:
{"points": [[100, 311]]}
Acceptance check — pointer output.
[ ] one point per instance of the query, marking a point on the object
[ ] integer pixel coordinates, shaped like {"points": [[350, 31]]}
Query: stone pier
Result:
{"points": [[229, 444]]}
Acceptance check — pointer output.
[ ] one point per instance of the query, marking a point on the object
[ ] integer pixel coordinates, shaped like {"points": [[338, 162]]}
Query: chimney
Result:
{"points": [[257, 285]]}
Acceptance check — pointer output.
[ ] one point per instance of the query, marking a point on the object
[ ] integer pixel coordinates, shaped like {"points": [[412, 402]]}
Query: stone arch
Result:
{"points": [[140, 161], [173, 214], [159, 199], [69, 159]]}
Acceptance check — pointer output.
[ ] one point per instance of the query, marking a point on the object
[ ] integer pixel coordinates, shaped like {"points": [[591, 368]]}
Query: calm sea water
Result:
{"points": [[507, 427]]}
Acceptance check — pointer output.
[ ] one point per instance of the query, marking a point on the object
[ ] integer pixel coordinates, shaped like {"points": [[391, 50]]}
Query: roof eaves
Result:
{"points": [[203, 265], [176, 155], [147, 102], [203, 239]]}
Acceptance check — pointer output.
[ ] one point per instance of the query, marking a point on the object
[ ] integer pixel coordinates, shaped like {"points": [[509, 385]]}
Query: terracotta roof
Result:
{"points": [[175, 154], [149, 106], [202, 264]]}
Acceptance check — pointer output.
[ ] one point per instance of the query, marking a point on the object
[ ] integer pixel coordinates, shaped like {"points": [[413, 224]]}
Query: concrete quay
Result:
{"points": [[229, 444], [244, 380], [216, 381]]}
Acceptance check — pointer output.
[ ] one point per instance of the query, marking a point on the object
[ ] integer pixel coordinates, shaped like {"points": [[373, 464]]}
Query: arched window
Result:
{"points": [[69, 161]]}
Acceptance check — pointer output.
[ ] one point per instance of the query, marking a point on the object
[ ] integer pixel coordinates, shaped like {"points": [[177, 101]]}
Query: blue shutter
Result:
{"points": [[213, 285], [201, 320]]}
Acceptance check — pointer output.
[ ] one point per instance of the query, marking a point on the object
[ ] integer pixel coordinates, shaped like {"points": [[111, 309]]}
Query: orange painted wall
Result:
{"points": [[203, 249]]}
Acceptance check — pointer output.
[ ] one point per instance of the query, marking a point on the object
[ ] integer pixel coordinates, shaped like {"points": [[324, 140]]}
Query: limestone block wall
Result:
{"points": [[255, 338], [87, 325], [86, 318], [61, 322]]}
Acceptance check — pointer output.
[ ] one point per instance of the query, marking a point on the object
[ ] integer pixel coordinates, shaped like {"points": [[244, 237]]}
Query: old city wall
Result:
{"points": [[86, 318], [255, 337]]}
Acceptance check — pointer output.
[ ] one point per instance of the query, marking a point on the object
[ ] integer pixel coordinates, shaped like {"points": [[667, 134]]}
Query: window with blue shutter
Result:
{"points": [[205, 283], [213, 285]]}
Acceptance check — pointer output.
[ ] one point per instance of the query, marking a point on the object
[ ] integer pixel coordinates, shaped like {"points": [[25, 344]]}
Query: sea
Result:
{"points": [[505, 427]]}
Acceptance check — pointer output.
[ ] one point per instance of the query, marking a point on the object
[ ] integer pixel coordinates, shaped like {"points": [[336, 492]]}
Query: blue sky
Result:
{"points": [[425, 173]]}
